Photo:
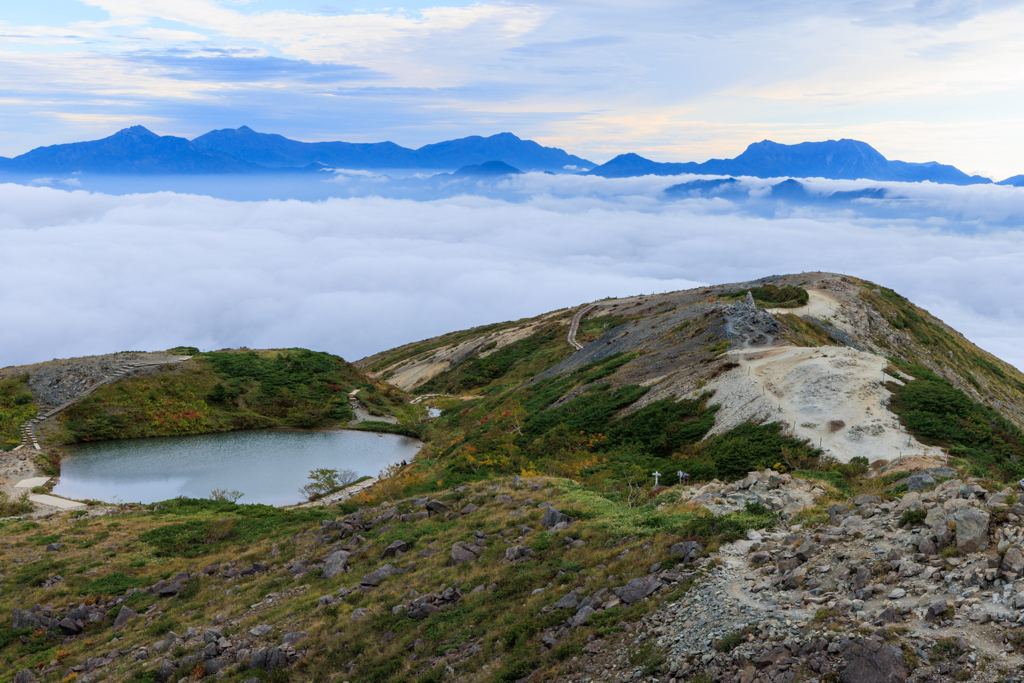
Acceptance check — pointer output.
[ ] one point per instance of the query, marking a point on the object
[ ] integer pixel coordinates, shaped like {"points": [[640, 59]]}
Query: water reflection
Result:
{"points": [[267, 466]]}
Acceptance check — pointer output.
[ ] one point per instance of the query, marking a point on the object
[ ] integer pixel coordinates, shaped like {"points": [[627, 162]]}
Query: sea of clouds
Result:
{"points": [[88, 272]]}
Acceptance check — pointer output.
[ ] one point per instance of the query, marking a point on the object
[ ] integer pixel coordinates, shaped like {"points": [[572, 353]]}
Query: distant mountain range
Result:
{"points": [[139, 151], [836, 159]]}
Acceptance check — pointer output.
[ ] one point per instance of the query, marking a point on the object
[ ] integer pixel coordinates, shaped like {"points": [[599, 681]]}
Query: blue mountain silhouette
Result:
{"points": [[837, 159]]}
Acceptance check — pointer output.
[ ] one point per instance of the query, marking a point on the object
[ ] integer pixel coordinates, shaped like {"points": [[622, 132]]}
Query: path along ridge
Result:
{"points": [[575, 325]]}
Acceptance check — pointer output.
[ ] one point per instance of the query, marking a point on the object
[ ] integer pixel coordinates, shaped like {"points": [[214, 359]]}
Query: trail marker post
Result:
{"points": [[656, 475], [680, 473]]}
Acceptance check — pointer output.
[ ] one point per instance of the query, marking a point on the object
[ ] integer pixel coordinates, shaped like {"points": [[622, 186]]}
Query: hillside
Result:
{"points": [[137, 395], [822, 535]]}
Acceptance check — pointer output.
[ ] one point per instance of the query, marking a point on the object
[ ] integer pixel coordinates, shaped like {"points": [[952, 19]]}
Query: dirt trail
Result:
{"points": [[832, 396]]}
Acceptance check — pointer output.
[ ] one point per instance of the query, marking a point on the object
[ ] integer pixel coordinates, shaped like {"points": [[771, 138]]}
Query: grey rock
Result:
{"points": [[166, 671], [335, 564], [123, 617], [637, 589], [25, 619], [260, 631], [374, 578], [1013, 561], [568, 601], [462, 552], [359, 613], [936, 611], [919, 482], [935, 519], [581, 616], [971, 529], [686, 552], [437, 507], [25, 676], [553, 517], [395, 548], [468, 509], [518, 553], [293, 637], [873, 662], [53, 547]]}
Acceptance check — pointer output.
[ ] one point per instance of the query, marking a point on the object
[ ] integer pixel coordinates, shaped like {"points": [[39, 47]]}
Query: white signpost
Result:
{"points": [[656, 475]]}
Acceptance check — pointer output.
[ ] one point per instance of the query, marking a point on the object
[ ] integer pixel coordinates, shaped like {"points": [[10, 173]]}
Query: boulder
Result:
{"points": [[794, 579], [518, 553], [919, 482], [870, 661], [436, 507], [260, 631], [581, 616], [637, 589], [936, 611], [468, 509], [686, 552], [123, 617], [926, 546], [395, 548], [971, 530], [1013, 561], [268, 658], [336, 563], [910, 501], [568, 601], [374, 578], [166, 671], [25, 619], [25, 676], [463, 552], [293, 637], [936, 518], [759, 558], [861, 578], [553, 517]]}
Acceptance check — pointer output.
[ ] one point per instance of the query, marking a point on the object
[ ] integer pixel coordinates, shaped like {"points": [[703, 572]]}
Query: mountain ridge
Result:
{"points": [[843, 159], [139, 151]]}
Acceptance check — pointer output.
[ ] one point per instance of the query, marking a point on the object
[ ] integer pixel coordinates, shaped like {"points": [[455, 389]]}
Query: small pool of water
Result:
{"points": [[267, 466]]}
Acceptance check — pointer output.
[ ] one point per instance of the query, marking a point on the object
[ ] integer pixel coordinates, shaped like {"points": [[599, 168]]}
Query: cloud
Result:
{"points": [[226, 67], [93, 273]]}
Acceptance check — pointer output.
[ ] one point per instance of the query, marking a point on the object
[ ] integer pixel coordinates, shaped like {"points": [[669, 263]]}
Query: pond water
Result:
{"points": [[267, 466]]}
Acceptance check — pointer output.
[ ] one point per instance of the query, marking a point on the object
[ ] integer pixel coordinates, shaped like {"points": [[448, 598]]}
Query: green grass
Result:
{"points": [[937, 413], [16, 406], [771, 296]]}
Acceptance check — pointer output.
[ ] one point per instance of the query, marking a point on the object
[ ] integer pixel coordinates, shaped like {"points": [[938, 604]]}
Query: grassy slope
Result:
{"points": [[16, 406], [143, 545], [225, 391]]}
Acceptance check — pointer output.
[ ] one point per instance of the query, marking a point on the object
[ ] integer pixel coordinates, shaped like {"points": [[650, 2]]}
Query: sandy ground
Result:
{"points": [[16, 466], [829, 395], [820, 304]]}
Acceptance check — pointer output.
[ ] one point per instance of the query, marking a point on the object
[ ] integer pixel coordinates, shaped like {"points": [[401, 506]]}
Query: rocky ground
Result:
{"points": [[923, 588], [56, 382]]}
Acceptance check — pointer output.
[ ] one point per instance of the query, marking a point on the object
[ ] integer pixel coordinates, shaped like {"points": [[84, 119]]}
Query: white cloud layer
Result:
{"points": [[92, 273]]}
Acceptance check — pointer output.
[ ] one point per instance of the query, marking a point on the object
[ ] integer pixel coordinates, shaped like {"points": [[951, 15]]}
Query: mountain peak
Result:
{"points": [[137, 131]]}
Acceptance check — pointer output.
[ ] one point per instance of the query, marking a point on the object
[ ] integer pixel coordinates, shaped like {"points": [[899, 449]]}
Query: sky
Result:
{"points": [[90, 273], [674, 80]]}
